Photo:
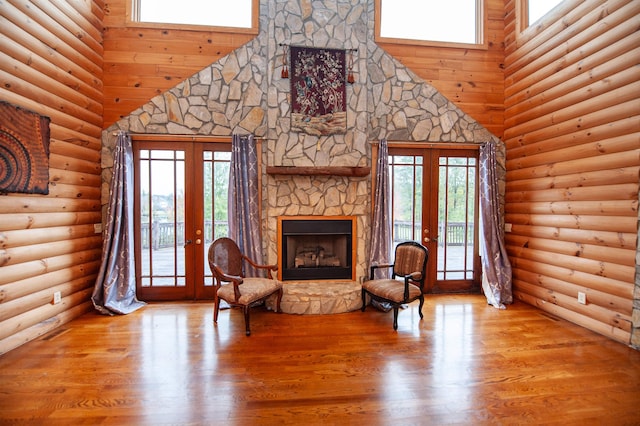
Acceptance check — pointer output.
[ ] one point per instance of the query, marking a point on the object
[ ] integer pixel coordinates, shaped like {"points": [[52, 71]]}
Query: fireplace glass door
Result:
{"points": [[316, 248]]}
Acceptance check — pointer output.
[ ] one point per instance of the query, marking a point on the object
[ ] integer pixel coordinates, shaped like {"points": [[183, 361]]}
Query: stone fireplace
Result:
{"points": [[316, 248]]}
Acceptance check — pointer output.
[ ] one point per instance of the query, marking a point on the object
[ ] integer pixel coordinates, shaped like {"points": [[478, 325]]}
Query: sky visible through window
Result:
{"points": [[431, 20], [219, 13], [539, 8]]}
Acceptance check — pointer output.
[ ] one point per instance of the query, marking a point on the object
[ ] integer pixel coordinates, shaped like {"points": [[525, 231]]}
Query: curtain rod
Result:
{"points": [[313, 47]]}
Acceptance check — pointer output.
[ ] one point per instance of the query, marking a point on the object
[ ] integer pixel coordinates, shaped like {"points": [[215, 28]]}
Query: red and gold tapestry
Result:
{"points": [[24, 150], [318, 91]]}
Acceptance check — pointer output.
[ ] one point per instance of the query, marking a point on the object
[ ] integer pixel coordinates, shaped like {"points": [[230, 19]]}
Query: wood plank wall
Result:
{"points": [[471, 78], [572, 131], [142, 62], [51, 63]]}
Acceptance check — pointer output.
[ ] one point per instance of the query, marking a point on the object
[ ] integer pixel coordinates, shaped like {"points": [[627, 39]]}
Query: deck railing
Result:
{"points": [[455, 236], [166, 234]]}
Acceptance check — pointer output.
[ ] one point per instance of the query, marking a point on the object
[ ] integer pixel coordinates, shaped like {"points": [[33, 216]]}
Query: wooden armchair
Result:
{"points": [[410, 264], [226, 263]]}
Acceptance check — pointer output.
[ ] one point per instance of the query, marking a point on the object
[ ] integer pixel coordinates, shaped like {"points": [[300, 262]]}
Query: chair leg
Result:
{"points": [[364, 300], [216, 307], [420, 308], [395, 317], [246, 320], [278, 299]]}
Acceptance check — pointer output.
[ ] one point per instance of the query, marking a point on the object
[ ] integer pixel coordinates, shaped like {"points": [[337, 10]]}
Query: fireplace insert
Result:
{"points": [[316, 249]]}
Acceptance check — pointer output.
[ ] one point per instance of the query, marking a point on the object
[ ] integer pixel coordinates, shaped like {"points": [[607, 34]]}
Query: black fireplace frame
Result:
{"points": [[316, 226]]}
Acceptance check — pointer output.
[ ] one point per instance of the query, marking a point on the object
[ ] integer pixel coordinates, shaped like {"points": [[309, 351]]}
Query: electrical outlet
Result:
{"points": [[508, 227], [57, 298], [97, 228], [582, 298]]}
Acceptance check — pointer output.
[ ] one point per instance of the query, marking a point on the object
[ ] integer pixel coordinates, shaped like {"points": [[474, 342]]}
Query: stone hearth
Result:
{"points": [[319, 297]]}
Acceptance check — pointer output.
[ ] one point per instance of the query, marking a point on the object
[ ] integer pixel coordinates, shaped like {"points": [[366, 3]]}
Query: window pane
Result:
{"points": [[448, 21], [406, 195], [539, 8], [236, 14], [162, 207], [215, 189], [456, 194]]}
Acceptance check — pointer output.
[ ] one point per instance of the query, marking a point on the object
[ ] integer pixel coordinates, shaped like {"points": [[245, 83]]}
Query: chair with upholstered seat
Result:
{"points": [[227, 265], [410, 264]]}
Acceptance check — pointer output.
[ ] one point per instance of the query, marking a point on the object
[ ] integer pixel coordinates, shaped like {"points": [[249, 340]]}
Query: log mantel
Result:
{"points": [[318, 171]]}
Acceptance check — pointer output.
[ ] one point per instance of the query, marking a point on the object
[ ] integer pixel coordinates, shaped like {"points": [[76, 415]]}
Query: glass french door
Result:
{"points": [[180, 208], [435, 202]]}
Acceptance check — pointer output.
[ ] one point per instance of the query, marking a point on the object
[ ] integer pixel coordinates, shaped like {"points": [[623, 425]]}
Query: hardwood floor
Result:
{"points": [[465, 363]]}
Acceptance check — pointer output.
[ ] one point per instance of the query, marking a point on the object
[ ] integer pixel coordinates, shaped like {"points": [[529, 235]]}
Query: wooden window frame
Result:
{"points": [[133, 11], [481, 33], [524, 30]]}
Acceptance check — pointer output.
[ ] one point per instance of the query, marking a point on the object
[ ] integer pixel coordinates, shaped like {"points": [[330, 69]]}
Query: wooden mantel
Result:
{"points": [[318, 171]]}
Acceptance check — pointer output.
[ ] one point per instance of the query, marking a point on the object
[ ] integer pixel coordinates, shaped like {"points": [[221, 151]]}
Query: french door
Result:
{"points": [[180, 208], [435, 202]]}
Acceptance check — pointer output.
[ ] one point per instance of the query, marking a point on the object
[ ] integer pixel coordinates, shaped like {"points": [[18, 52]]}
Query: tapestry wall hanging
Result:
{"points": [[24, 150], [318, 93]]}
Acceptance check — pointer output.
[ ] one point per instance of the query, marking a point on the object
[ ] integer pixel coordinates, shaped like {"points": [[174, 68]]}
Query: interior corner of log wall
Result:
{"points": [[49, 243], [572, 132]]}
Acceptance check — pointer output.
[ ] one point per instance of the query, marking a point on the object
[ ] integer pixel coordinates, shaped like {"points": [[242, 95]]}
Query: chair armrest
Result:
{"points": [[268, 268], [375, 266], [414, 276], [221, 276]]}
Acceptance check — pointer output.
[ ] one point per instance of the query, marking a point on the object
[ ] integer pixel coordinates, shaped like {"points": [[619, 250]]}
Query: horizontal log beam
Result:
{"points": [[25, 204], [627, 191], [584, 222], [45, 312], [613, 304], [592, 208], [44, 327], [27, 237], [586, 236], [568, 248], [16, 221], [15, 307], [21, 288], [613, 333], [604, 137], [36, 268], [622, 175], [580, 165], [17, 255], [613, 271]]}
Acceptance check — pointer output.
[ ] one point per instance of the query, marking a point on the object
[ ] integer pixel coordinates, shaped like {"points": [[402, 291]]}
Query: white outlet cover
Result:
{"points": [[582, 298]]}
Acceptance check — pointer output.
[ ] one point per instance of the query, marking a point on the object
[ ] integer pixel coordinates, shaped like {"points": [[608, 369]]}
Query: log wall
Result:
{"points": [[572, 132], [51, 63]]}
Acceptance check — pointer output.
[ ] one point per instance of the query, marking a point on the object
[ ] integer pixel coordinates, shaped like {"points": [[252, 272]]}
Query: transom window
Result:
{"points": [[426, 22], [213, 13]]}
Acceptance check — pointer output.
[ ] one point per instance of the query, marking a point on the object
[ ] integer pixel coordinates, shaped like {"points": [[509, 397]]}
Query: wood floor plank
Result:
{"points": [[465, 363]]}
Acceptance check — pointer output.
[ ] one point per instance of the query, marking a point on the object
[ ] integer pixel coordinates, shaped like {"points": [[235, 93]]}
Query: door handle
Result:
{"points": [[186, 243]]}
